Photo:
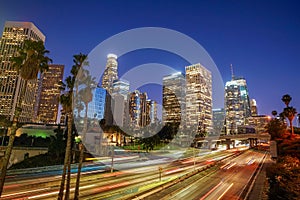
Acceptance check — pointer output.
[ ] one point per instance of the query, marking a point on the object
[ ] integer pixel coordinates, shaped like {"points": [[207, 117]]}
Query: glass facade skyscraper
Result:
{"points": [[97, 106], [237, 104]]}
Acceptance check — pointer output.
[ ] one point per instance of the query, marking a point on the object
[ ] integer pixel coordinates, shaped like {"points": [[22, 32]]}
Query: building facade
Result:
{"points": [[174, 99], [47, 99], [259, 123], [253, 107], [218, 121], [198, 98], [120, 107], [237, 104], [152, 110], [134, 102], [142, 111], [111, 73], [96, 107], [13, 37]]}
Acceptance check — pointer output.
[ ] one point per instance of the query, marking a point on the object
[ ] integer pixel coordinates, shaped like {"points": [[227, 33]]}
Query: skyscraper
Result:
{"points": [[174, 98], [109, 76], [13, 37], [134, 109], [237, 104], [152, 110], [142, 111], [96, 107], [198, 98], [253, 107], [47, 99], [218, 120], [120, 107], [111, 73]]}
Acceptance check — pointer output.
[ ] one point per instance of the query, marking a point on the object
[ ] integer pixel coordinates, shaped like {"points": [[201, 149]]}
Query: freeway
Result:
{"points": [[225, 181], [134, 175]]}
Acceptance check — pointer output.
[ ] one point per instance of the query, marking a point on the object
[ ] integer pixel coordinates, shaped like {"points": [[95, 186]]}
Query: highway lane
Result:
{"points": [[47, 187], [225, 182]]}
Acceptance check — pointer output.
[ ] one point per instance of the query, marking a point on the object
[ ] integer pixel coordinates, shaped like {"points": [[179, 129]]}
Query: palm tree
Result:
{"points": [[274, 113], [86, 96], [67, 102], [289, 113], [29, 61], [286, 99]]}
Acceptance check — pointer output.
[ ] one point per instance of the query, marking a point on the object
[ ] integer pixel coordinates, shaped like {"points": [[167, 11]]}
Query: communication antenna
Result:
{"points": [[232, 75]]}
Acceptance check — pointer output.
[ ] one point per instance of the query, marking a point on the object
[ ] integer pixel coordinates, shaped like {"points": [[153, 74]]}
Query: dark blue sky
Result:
{"points": [[260, 38]]}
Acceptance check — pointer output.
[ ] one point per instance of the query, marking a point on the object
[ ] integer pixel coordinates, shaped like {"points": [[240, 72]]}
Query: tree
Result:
{"points": [[289, 113], [57, 145], [30, 60], [86, 96], [67, 103], [274, 113], [276, 128], [286, 99]]}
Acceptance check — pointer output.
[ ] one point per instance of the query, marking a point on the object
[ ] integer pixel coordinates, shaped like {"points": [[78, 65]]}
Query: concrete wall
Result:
{"points": [[18, 153]]}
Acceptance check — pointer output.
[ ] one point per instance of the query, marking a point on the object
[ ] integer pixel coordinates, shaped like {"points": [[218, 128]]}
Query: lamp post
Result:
{"points": [[112, 159], [159, 171], [194, 158]]}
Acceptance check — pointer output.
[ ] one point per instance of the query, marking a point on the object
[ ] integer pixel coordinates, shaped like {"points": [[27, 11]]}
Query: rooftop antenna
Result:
{"points": [[232, 75]]}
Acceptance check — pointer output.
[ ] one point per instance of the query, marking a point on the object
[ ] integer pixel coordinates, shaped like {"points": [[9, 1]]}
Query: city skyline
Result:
{"points": [[261, 43]]}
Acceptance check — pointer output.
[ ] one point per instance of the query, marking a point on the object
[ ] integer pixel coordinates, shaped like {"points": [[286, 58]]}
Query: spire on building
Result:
{"points": [[232, 74]]}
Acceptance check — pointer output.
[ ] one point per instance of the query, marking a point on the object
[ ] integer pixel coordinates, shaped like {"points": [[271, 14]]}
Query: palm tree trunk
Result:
{"points": [[17, 112], [67, 158], [68, 154], [76, 195], [81, 147], [292, 128], [7, 155]]}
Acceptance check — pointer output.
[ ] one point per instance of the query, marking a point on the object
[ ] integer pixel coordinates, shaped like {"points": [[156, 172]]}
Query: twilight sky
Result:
{"points": [[260, 38]]}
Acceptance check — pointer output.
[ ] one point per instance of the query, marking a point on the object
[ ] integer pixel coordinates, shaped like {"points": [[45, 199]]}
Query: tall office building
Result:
{"points": [[174, 98], [47, 99], [142, 111], [13, 37], [120, 107], [121, 86], [109, 76], [198, 98], [151, 111], [218, 120], [237, 104], [111, 73], [134, 109], [96, 107], [253, 106]]}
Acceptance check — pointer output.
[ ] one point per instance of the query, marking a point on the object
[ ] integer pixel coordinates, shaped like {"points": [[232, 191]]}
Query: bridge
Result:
{"points": [[229, 139]]}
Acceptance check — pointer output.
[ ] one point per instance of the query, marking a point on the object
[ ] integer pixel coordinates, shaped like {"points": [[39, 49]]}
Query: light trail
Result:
{"points": [[225, 191], [210, 191], [56, 192]]}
